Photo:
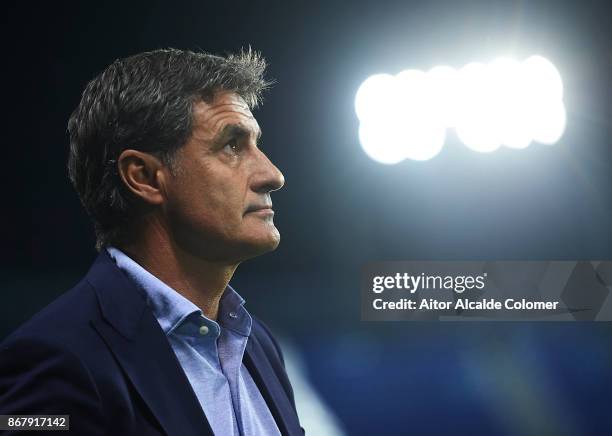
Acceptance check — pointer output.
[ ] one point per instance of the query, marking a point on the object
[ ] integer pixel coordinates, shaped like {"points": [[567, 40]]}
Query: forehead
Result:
{"points": [[226, 108]]}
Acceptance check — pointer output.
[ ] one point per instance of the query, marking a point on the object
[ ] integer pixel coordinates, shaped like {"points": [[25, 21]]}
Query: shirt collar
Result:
{"points": [[172, 309]]}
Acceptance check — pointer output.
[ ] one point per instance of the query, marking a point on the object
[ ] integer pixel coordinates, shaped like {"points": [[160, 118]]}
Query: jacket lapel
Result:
{"points": [[132, 333], [266, 380]]}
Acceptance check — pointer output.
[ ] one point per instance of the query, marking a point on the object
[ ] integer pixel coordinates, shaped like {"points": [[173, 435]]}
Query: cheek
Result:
{"points": [[209, 200]]}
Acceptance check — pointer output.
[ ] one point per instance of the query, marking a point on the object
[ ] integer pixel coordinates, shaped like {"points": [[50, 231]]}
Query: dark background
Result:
{"points": [[338, 208]]}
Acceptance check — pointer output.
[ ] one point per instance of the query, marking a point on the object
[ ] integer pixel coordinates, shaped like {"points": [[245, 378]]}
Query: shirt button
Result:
{"points": [[203, 330], [233, 315]]}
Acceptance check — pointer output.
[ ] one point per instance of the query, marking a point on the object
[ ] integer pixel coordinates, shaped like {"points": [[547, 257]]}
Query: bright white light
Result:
{"points": [[424, 140], [504, 79], [543, 99], [543, 79], [422, 132], [382, 143], [505, 103], [374, 97], [550, 123], [476, 122]]}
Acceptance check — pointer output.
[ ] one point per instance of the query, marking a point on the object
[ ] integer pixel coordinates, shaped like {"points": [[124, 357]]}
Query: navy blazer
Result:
{"points": [[98, 354]]}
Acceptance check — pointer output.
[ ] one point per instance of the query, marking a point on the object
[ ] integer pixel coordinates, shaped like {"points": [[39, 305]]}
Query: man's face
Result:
{"points": [[218, 197]]}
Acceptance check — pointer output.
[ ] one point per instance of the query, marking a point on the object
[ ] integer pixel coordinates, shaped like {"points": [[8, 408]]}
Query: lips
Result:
{"points": [[262, 207]]}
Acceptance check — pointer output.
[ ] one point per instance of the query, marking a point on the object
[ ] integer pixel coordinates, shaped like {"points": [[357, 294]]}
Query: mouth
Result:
{"points": [[263, 210]]}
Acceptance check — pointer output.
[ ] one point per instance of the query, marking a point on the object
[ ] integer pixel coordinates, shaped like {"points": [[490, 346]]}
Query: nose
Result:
{"points": [[267, 177]]}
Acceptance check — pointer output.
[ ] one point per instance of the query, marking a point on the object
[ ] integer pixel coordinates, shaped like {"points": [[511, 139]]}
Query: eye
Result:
{"points": [[232, 147]]}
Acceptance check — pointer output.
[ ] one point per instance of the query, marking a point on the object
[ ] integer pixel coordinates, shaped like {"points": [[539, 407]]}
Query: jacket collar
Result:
{"points": [[122, 303], [135, 338]]}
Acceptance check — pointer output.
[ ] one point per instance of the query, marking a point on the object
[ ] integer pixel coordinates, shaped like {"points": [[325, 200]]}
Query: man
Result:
{"points": [[164, 156]]}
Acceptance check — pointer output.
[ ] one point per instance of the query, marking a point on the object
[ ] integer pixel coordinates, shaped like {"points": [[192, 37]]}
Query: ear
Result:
{"points": [[143, 174]]}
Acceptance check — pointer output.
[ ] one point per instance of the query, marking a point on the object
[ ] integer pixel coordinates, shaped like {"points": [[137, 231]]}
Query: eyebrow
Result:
{"points": [[235, 130]]}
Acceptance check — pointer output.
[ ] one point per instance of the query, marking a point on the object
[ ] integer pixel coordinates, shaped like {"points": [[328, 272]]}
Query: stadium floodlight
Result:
{"points": [[503, 103]]}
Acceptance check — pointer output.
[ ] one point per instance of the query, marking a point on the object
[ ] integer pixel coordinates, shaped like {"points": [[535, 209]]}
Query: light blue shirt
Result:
{"points": [[210, 353]]}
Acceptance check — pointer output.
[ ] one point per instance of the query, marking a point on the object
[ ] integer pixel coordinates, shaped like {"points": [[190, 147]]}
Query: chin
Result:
{"points": [[258, 244], [266, 243]]}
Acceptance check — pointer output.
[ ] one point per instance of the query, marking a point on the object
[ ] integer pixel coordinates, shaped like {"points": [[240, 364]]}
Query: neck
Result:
{"points": [[200, 281]]}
